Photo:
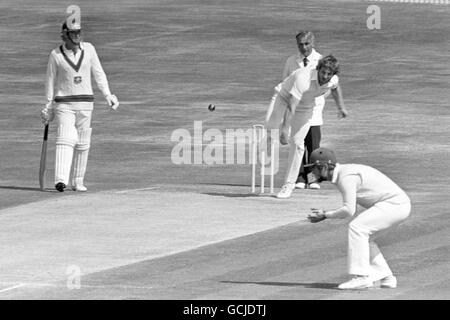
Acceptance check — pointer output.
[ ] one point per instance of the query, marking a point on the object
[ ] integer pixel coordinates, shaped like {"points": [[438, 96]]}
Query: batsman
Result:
{"points": [[70, 102]]}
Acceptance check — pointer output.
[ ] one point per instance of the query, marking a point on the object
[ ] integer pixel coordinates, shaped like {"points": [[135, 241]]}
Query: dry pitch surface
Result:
{"points": [[149, 229]]}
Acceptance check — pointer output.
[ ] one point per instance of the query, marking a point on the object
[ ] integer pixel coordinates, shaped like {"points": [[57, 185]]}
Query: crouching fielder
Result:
{"points": [[70, 102], [386, 206]]}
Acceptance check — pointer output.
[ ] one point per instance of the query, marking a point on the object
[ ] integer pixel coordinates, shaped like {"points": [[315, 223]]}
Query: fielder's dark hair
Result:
{"points": [[329, 62]]}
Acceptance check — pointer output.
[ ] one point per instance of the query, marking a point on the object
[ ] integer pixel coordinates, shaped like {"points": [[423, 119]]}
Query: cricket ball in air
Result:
{"points": [[211, 107]]}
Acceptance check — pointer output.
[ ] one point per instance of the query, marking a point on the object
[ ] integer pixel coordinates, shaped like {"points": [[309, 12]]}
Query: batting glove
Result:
{"points": [[47, 114], [113, 102]]}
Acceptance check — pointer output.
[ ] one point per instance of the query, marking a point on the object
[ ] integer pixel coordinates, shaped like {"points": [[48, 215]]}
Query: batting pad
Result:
{"points": [[81, 156], [63, 163], [66, 138], [66, 135], [84, 139]]}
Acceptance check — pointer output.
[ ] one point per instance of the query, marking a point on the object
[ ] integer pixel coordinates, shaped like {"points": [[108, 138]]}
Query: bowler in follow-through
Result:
{"points": [[297, 94]]}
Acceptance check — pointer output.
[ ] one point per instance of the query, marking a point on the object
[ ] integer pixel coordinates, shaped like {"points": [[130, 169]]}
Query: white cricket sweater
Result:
{"points": [[68, 82], [363, 185]]}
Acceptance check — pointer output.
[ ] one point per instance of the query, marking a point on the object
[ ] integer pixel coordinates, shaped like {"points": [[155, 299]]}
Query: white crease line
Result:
{"points": [[55, 285], [13, 287], [141, 189]]}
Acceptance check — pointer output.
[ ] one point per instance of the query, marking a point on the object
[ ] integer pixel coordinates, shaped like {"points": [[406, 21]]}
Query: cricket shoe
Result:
{"points": [[300, 185], [389, 282], [60, 186], [314, 185], [286, 191], [79, 188], [357, 283]]}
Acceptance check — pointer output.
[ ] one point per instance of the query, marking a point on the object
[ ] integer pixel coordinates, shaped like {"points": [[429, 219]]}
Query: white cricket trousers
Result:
{"points": [[72, 144], [300, 125], [364, 256]]}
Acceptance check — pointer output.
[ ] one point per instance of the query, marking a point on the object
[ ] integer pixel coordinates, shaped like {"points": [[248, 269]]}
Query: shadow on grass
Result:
{"points": [[238, 195], [26, 188], [224, 184], [314, 285]]}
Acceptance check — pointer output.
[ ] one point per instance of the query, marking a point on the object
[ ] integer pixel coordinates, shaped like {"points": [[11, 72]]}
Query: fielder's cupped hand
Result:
{"points": [[316, 215], [113, 102]]}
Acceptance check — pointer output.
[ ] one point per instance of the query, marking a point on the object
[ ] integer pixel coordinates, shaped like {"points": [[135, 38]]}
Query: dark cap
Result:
{"points": [[75, 27], [321, 155]]}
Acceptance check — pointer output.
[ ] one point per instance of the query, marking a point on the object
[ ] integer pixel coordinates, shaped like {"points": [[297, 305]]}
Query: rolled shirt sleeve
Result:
{"points": [[334, 82]]}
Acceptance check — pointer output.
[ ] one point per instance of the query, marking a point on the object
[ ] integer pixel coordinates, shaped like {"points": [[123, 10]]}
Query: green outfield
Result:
{"points": [[152, 229]]}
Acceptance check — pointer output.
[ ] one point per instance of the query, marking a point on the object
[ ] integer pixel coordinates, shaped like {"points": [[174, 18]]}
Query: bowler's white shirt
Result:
{"points": [[295, 62], [303, 85], [363, 185]]}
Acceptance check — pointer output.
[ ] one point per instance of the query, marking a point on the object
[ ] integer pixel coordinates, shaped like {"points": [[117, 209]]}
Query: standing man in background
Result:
{"points": [[70, 101]]}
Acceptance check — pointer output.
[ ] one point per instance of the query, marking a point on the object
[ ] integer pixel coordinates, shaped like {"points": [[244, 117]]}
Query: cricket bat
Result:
{"points": [[42, 167]]}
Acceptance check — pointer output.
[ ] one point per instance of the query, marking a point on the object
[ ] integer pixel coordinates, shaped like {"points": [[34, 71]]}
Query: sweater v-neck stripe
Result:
{"points": [[78, 65]]}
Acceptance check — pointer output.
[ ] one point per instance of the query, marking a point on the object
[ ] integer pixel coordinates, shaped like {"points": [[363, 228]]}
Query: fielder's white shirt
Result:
{"points": [[295, 62], [363, 185], [303, 85], [68, 80]]}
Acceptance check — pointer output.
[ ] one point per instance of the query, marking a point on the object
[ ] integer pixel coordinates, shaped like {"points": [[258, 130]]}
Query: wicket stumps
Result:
{"points": [[259, 147]]}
